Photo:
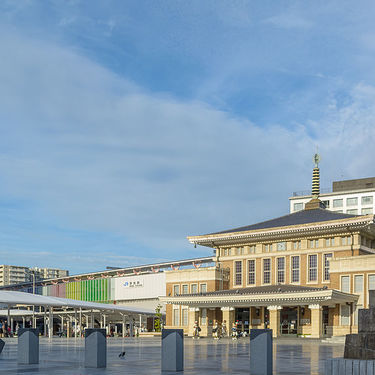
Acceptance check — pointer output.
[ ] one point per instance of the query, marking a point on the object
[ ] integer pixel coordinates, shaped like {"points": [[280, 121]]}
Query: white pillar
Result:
{"points": [[105, 323], [92, 320], [50, 322], [45, 321], [75, 324], [123, 325]]}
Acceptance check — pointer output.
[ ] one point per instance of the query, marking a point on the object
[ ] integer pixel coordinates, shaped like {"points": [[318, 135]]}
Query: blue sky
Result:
{"points": [[127, 125]]}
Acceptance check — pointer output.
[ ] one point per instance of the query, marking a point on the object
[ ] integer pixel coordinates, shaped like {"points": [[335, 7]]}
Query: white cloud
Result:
{"points": [[98, 153]]}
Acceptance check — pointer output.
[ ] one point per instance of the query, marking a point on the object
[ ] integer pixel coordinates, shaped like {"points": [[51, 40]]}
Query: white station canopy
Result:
{"points": [[11, 298]]}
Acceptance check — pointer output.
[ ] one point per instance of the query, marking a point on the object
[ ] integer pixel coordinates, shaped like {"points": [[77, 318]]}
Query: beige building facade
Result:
{"points": [[306, 273]]}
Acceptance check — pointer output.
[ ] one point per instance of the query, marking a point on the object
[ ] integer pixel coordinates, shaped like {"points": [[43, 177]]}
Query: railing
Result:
{"points": [[308, 192]]}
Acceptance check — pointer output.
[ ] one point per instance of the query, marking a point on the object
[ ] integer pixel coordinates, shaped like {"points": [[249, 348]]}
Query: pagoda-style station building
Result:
{"points": [[306, 273]]}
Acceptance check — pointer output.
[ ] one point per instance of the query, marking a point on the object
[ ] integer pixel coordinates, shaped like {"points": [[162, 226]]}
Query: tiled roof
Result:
{"points": [[266, 289], [296, 218]]}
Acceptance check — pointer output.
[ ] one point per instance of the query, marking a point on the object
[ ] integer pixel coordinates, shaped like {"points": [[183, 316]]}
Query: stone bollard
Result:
{"points": [[343, 366], [261, 361], [28, 346], [95, 348], [2, 343], [172, 350]]}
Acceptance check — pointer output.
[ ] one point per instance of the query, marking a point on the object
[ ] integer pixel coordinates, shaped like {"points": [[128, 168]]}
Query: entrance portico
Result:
{"points": [[286, 309]]}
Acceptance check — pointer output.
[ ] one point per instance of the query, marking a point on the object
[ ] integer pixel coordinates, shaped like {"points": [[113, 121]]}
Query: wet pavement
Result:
{"points": [[62, 356]]}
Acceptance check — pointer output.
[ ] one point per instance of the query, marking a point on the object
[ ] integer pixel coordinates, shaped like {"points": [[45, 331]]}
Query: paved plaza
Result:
{"points": [[61, 356]]}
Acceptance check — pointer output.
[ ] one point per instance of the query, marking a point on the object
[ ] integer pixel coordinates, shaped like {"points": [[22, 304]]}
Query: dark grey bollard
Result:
{"points": [[172, 350], [261, 361], [2, 343], [28, 346], [95, 348]]}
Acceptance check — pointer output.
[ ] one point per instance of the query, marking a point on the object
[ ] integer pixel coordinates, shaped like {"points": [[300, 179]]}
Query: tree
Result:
{"points": [[157, 322]]}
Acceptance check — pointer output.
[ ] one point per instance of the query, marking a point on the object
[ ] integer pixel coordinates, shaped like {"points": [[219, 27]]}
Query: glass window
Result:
{"points": [[358, 283], [345, 315], [281, 270], [194, 288], [252, 249], [204, 317], [337, 203], [185, 289], [266, 271], [367, 200], [313, 267], [176, 317], [203, 288], [326, 204], [281, 246], [251, 265], [352, 212], [184, 317], [238, 272], [298, 206], [345, 284], [351, 201], [344, 241], [295, 269], [176, 290], [367, 211], [371, 282], [327, 257], [296, 245]]}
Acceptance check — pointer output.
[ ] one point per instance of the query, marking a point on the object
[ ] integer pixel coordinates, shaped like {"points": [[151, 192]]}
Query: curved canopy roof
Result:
{"points": [[11, 298]]}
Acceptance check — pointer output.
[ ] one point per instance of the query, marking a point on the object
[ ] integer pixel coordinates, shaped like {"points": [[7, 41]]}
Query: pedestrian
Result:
{"points": [[196, 330]]}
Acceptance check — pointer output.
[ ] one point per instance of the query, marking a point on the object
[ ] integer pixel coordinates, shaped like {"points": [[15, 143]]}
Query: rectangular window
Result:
{"points": [[295, 269], [203, 288], [266, 271], [352, 201], [204, 317], [326, 258], [238, 272], [298, 206], [252, 249], [337, 203], [296, 245], [345, 284], [367, 200], [184, 317], [281, 270], [176, 317], [281, 246], [344, 241], [367, 211], [185, 289], [352, 212], [176, 290], [313, 244], [251, 266], [326, 204], [313, 267], [194, 288], [358, 283], [345, 315], [371, 282]]}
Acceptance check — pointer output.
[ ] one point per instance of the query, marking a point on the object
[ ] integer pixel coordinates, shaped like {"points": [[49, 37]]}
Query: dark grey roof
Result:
{"points": [[266, 289], [296, 218]]}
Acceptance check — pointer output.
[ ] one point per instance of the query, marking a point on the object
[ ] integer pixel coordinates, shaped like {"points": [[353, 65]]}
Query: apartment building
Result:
{"points": [[13, 274], [49, 273]]}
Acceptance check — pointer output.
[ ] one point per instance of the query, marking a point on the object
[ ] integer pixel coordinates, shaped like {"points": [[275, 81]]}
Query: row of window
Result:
{"points": [[282, 246], [193, 289], [312, 274], [364, 211], [338, 203]]}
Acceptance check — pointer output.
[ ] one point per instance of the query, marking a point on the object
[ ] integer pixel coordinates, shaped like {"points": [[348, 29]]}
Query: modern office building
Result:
{"points": [[356, 197], [306, 273]]}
